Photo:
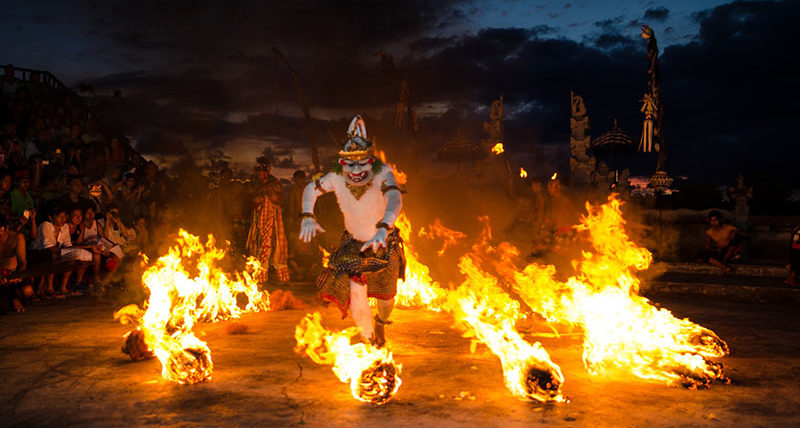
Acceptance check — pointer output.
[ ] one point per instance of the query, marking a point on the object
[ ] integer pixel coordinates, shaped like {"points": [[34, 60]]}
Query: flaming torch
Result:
{"points": [[186, 287], [370, 371], [498, 148], [522, 172]]}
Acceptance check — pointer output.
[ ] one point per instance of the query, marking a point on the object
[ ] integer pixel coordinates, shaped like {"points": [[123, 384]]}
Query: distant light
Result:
{"points": [[498, 148], [522, 172], [554, 176]]}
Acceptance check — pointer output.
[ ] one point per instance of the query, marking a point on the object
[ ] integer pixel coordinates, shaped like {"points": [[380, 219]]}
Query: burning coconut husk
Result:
{"points": [[371, 372], [489, 316], [186, 286], [622, 330], [135, 346]]}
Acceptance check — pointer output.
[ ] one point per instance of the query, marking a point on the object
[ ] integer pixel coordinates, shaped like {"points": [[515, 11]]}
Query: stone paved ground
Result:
{"points": [[61, 365]]}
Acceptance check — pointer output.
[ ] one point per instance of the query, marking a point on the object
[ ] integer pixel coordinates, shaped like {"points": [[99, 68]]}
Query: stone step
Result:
{"points": [[766, 286], [772, 270]]}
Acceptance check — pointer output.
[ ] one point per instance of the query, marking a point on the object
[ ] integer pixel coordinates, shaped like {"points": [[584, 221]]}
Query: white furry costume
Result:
{"points": [[370, 258]]}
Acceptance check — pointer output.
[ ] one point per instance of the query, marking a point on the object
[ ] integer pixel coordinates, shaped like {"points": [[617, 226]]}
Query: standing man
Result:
{"points": [[370, 258], [266, 239]]}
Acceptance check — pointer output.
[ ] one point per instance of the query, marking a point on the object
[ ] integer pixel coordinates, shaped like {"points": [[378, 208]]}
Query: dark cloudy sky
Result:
{"points": [[199, 75]]}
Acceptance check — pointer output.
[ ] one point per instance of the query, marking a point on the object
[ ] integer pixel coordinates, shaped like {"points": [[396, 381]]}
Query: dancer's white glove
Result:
{"points": [[309, 228], [377, 241]]}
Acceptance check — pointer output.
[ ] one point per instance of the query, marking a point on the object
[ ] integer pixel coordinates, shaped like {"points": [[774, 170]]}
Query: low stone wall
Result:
{"points": [[679, 235]]}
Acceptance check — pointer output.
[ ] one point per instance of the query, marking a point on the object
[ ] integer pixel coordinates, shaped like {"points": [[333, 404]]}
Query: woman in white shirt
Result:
{"points": [[51, 244]]}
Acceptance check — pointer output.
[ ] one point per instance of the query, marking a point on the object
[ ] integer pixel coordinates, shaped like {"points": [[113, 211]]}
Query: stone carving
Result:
{"points": [[740, 195], [581, 163], [494, 127]]}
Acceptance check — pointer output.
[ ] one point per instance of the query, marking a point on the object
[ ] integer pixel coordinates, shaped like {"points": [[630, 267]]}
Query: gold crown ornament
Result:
{"points": [[357, 146]]}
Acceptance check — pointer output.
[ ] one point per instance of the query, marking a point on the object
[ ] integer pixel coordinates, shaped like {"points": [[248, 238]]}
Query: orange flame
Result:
{"points": [[498, 148], [554, 176], [622, 330], [418, 289], [400, 176], [487, 312], [371, 372], [437, 230], [179, 299], [522, 172], [326, 256]]}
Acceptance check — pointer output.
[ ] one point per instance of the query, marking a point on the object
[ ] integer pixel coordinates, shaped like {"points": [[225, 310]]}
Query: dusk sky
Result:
{"points": [[199, 75]]}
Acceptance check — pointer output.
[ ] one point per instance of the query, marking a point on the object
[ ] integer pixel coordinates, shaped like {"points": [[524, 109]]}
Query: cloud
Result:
{"points": [[729, 91], [656, 14]]}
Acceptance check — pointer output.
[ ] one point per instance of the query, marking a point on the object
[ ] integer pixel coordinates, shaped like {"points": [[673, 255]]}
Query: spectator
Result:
{"points": [[115, 154], [21, 198], [5, 191], [78, 250], [128, 198], [13, 258], [74, 197], [46, 248], [110, 254], [723, 241], [140, 237], [114, 228]]}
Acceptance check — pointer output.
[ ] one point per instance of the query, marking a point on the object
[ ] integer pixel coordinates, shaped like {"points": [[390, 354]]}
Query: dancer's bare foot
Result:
{"points": [[18, 306]]}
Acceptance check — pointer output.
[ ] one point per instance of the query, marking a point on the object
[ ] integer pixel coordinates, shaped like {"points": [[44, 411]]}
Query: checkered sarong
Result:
{"points": [[266, 241], [381, 269]]}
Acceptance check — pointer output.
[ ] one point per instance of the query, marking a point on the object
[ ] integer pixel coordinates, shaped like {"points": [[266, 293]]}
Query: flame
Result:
{"points": [[490, 315], [326, 256], [487, 312], [400, 176], [554, 176], [187, 287], [522, 172], [418, 289], [370, 371], [498, 148], [437, 230], [622, 330]]}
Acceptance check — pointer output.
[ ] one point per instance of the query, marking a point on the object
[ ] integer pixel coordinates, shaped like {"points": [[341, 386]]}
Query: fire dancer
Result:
{"points": [[369, 258]]}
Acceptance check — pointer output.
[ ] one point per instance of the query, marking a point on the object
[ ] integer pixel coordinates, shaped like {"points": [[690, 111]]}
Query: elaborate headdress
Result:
{"points": [[356, 146]]}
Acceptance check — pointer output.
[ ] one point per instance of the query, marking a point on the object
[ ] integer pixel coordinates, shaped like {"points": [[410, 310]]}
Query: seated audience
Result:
{"points": [[52, 244], [12, 259], [21, 197]]}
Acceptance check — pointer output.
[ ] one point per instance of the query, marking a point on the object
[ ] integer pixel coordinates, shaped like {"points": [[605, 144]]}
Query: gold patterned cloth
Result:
{"points": [[381, 269]]}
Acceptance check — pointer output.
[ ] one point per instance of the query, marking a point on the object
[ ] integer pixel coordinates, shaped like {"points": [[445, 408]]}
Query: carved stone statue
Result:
{"points": [[740, 195], [581, 164], [494, 127]]}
